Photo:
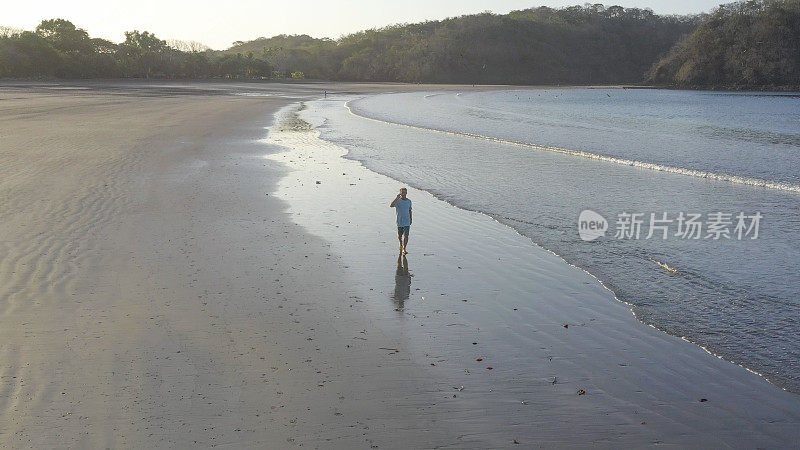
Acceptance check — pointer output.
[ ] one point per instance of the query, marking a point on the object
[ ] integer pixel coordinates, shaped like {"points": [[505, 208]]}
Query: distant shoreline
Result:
{"points": [[730, 88], [94, 81]]}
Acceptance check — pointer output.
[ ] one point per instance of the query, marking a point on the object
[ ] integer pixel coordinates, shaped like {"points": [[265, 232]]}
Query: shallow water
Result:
{"points": [[737, 298], [749, 138]]}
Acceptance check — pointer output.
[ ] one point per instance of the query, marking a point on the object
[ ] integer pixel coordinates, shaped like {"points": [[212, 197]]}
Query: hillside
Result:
{"points": [[590, 44], [746, 44], [575, 45]]}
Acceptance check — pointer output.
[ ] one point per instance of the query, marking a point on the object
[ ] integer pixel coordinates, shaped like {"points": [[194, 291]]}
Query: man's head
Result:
{"points": [[403, 192]]}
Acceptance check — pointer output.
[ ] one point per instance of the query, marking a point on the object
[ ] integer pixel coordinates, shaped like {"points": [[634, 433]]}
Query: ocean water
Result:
{"points": [[535, 159]]}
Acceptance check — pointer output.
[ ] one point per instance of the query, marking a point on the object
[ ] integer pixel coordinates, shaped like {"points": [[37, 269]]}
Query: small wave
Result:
{"points": [[666, 267], [737, 179]]}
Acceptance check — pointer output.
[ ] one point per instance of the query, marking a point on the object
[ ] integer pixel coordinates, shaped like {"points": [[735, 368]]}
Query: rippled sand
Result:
{"points": [[153, 294]]}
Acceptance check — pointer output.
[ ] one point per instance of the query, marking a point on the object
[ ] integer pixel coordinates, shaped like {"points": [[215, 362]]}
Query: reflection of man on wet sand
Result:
{"points": [[402, 281]]}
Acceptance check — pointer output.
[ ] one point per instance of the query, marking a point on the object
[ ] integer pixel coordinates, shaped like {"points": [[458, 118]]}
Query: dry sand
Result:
{"points": [[155, 292], [152, 293]]}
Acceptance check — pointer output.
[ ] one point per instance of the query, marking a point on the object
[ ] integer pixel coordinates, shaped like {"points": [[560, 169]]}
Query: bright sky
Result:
{"points": [[218, 23]]}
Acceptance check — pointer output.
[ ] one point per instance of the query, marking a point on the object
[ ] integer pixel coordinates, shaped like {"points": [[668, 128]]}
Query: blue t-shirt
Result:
{"points": [[403, 210]]}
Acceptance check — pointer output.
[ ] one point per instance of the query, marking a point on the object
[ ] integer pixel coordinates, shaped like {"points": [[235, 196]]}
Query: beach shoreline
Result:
{"points": [[657, 374], [181, 280], [550, 190], [779, 186]]}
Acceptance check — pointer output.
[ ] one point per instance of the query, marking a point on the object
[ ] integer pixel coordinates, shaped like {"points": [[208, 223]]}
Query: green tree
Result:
{"points": [[74, 47], [144, 54], [27, 55], [64, 36]]}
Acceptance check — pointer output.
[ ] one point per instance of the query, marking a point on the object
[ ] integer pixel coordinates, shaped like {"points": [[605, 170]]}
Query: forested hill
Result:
{"points": [[589, 44], [575, 45], [754, 43]]}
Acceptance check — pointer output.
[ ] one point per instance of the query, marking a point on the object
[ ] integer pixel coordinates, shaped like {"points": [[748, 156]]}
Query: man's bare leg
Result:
{"points": [[405, 244], [400, 238]]}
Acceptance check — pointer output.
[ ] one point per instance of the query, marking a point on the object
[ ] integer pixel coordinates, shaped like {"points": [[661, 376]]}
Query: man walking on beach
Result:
{"points": [[402, 206]]}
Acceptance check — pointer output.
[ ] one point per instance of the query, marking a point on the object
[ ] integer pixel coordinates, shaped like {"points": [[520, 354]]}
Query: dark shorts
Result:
{"points": [[403, 230]]}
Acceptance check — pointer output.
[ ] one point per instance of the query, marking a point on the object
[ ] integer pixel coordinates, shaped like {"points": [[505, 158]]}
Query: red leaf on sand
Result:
{"points": [[581, 392], [490, 367], [479, 359], [566, 325]]}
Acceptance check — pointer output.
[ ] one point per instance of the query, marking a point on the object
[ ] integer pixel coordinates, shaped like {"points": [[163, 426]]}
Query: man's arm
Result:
{"points": [[410, 217], [391, 205]]}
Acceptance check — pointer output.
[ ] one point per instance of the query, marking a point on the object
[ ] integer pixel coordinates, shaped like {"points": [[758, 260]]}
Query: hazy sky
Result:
{"points": [[218, 23]]}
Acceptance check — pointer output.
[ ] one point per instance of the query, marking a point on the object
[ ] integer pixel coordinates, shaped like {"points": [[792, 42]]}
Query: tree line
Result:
{"points": [[579, 44], [59, 49], [574, 45], [748, 42], [753, 43]]}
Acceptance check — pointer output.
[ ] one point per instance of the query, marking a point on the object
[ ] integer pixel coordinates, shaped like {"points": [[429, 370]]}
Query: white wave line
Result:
{"points": [[749, 181]]}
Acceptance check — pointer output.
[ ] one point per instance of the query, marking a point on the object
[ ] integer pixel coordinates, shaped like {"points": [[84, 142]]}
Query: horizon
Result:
{"points": [[202, 22]]}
